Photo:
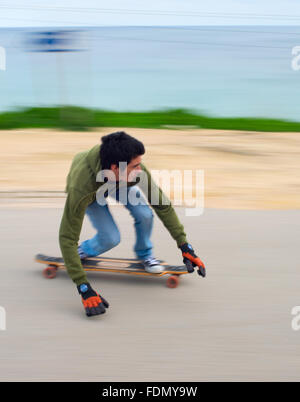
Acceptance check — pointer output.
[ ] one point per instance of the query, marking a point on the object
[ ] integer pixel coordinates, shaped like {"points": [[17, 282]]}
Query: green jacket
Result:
{"points": [[81, 191]]}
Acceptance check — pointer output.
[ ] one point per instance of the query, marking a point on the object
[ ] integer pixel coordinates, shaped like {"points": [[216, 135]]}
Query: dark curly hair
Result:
{"points": [[119, 147]]}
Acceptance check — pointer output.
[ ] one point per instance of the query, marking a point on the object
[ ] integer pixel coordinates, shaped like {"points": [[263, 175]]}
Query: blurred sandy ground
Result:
{"points": [[243, 170]]}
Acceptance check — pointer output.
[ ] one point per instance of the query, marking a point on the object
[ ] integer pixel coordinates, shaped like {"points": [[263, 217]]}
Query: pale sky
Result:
{"points": [[25, 13]]}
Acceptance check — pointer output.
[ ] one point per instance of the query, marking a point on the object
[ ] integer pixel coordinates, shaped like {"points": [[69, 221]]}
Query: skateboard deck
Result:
{"points": [[112, 265]]}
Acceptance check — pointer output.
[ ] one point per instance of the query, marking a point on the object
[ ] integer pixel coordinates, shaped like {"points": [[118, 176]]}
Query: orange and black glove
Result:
{"points": [[191, 260], [93, 303]]}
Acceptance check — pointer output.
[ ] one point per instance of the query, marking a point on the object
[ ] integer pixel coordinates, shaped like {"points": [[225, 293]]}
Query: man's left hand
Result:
{"points": [[188, 253]]}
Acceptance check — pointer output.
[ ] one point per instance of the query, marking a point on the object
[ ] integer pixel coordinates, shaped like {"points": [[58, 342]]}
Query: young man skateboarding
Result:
{"points": [[87, 189]]}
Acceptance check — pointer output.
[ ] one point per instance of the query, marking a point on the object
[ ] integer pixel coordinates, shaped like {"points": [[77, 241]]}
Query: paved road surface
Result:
{"points": [[233, 325]]}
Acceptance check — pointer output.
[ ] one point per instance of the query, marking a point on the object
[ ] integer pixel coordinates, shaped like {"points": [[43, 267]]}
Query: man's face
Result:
{"points": [[133, 169]]}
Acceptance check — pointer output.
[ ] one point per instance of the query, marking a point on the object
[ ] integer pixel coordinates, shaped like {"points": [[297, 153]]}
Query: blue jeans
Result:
{"points": [[108, 235]]}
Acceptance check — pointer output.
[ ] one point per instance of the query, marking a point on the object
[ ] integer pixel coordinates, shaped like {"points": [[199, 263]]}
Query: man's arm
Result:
{"points": [[168, 216], [163, 208], [69, 233]]}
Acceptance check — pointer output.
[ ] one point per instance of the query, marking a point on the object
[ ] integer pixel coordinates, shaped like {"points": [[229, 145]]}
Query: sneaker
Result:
{"points": [[152, 265], [81, 253]]}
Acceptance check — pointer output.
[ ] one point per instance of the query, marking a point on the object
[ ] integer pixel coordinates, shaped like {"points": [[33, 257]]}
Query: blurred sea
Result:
{"points": [[220, 71]]}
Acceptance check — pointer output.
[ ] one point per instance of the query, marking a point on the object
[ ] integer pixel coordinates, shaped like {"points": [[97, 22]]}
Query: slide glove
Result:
{"points": [[93, 303], [191, 260]]}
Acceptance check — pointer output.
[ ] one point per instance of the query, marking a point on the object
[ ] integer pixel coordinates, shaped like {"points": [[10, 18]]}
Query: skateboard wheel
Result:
{"points": [[173, 281], [50, 272]]}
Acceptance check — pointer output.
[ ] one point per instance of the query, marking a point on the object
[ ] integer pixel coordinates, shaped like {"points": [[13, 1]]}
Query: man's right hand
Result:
{"points": [[93, 303]]}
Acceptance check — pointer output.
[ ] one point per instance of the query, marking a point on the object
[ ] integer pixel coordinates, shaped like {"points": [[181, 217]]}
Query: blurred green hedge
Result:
{"points": [[78, 118]]}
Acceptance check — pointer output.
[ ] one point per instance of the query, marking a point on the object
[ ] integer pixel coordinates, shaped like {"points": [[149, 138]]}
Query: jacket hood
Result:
{"points": [[93, 159]]}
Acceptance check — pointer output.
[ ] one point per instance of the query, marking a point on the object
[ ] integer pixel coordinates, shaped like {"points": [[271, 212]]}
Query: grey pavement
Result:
{"points": [[233, 325]]}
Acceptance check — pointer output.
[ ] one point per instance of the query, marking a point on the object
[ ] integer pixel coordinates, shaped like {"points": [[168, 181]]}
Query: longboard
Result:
{"points": [[114, 265]]}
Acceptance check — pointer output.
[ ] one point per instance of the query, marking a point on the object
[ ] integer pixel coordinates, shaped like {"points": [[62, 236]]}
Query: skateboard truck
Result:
{"points": [[191, 269]]}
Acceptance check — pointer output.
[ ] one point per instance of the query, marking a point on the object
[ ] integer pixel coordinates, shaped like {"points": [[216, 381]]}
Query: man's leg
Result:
{"points": [[142, 214], [107, 236], [143, 220], [143, 223]]}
